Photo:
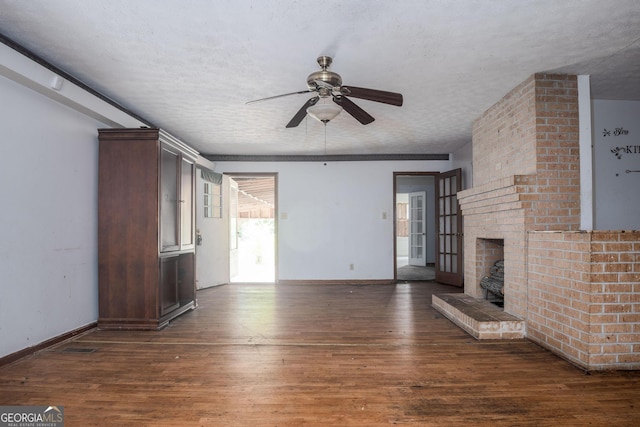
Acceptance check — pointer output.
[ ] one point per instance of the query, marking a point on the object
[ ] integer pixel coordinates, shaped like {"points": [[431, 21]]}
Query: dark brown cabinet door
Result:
{"points": [[177, 218], [169, 300]]}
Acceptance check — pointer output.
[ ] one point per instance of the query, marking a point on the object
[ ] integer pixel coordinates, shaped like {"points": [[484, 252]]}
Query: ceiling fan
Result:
{"points": [[327, 84]]}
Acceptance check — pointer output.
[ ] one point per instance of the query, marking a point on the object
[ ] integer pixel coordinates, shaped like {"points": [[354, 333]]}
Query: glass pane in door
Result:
{"points": [[168, 200], [186, 204], [417, 228]]}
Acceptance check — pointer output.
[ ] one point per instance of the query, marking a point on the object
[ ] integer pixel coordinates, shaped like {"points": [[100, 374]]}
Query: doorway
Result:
{"points": [[415, 243], [440, 237], [253, 228]]}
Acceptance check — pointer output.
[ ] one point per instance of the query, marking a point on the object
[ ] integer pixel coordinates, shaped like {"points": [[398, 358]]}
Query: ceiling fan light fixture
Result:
{"points": [[324, 112]]}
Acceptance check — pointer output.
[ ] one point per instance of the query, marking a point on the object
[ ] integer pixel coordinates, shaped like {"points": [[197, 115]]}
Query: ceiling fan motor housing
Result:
{"points": [[325, 76]]}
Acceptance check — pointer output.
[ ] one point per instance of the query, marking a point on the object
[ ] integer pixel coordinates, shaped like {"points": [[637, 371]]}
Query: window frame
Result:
{"points": [[212, 200]]}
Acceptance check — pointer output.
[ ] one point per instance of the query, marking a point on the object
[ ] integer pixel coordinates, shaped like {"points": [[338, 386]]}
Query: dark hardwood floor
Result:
{"points": [[315, 355]]}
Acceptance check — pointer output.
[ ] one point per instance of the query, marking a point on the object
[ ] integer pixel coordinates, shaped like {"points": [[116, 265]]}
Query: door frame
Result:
{"points": [[233, 228], [435, 208], [274, 175], [395, 214]]}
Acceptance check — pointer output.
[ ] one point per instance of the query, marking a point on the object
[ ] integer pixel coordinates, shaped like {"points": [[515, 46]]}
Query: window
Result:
{"points": [[212, 200]]}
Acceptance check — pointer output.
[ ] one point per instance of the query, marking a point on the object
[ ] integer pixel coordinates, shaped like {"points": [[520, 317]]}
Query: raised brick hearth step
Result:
{"points": [[480, 318]]}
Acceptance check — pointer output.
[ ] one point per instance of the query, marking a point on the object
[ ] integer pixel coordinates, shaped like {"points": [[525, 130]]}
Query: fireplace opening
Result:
{"points": [[490, 265]]}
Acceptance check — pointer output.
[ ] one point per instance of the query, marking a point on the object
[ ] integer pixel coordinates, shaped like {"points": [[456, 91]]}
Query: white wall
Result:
{"points": [[331, 216], [48, 219], [617, 197], [463, 158], [49, 175]]}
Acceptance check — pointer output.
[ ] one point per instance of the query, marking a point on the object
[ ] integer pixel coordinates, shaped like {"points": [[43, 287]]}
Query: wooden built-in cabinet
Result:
{"points": [[146, 228]]}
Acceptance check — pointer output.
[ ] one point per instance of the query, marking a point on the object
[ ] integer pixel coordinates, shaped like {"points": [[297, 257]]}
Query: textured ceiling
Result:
{"points": [[190, 66]]}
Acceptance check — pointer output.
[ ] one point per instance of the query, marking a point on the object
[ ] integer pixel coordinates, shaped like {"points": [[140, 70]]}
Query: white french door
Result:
{"points": [[417, 228], [233, 229]]}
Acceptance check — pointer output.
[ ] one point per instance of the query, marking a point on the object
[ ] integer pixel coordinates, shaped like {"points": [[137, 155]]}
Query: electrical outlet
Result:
{"points": [[351, 267]]}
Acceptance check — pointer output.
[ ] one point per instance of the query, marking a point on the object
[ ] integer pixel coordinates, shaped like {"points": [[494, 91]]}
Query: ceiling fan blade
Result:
{"points": [[278, 96], [390, 98], [301, 114], [350, 107]]}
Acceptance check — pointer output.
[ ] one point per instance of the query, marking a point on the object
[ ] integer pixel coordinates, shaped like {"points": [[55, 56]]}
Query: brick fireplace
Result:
{"points": [[577, 292], [526, 177]]}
